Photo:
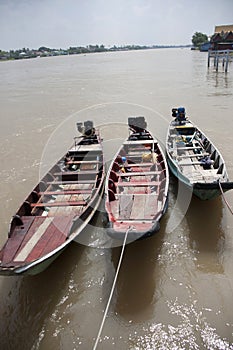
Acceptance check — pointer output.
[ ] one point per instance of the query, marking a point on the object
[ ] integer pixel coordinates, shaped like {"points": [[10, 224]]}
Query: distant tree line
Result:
{"points": [[44, 51]]}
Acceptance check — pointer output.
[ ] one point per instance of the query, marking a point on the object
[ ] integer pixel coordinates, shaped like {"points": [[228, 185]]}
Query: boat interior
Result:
{"points": [[137, 181], [196, 157], [43, 221]]}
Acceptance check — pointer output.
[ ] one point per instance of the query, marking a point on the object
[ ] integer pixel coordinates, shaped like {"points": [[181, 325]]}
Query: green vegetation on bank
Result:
{"points": [[198, 39], [46, 52]]}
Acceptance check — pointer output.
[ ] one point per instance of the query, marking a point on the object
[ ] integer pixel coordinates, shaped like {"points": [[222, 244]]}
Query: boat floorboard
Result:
{"points": [[131, 207], [138, 207], [38, 236], [125, 206]]}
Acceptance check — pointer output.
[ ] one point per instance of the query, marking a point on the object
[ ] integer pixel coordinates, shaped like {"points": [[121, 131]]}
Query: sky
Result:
{"points": [[65, 23]]}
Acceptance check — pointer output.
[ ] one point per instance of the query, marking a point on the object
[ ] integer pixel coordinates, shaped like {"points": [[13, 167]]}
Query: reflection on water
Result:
{"points": [[136, 285], [206, 234], [220, 83], [30, 299], [175, 289]]}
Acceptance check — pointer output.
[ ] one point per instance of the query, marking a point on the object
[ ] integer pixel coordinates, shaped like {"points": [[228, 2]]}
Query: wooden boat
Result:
{"points": [[193, 158], [136, 185], [58, 208]]}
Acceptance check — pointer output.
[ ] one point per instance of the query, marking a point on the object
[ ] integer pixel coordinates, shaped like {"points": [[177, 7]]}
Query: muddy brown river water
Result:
{"points": [[174, 290]]}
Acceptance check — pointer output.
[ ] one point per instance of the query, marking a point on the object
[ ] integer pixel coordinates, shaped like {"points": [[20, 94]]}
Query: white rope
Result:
{"points": [[228, 205], [112, 290]]}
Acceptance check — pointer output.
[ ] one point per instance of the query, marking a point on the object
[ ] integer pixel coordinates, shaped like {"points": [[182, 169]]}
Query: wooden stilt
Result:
{"points": [[227, 60], [217, 56]]}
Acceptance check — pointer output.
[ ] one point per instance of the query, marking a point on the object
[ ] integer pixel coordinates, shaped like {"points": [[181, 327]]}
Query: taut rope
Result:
{"points": [[228, 205], [112, 290]]}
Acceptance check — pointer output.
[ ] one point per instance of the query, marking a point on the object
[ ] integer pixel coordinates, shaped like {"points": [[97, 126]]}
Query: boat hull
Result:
{"points": [[188, 149], [136, 187], [135, 234], [56, 211], [206, 192]]}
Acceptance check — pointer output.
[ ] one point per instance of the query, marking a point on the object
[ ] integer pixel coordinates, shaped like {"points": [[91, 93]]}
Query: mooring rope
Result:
{"points": [[228, 205], [112, 290]]}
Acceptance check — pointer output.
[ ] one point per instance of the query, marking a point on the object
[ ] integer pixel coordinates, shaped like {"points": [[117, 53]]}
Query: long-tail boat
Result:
{"points": [[194, 159], [58, 208], [136, 185]]}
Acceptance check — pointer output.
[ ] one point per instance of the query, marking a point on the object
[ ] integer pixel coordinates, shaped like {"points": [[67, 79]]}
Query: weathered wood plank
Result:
{"points": [[151, 206], [71, 173], [78, 182], [139, 173], [71, 162], [59, 204], [138, 207], [138, 165], [38, 248], [25, 251], [125, 206], [64, 192], [62, 229], [137, 183], [193, 155], [15, 241], [53, 237]]}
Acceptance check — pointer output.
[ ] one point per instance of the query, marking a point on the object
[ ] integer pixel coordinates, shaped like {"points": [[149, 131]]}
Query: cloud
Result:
{"points": [[64, 23]]}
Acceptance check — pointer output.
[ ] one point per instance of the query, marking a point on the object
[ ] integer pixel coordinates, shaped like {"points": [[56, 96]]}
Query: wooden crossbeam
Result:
{"points": [[58, 204], [139, 173], [138, 165], [185, 148], [77, 182], [64, 192], [193, 155], [71, 162], [137, 183], [82, 172]]}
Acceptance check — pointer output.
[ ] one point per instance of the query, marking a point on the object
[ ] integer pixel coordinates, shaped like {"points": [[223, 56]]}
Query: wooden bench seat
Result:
{"points": [[82, 172], [77, 182], [139, 173], [140, 142], [153, 194], [193, 155], [71, 162], [58, 204], [192, 163], [64, 192], [134, 220], [134, 154], [137, 183], [138, 165], [185, 148]]}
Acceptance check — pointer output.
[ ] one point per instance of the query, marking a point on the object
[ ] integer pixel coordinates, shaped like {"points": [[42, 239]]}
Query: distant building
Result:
{"points": [[222, 39], [224, 28]]}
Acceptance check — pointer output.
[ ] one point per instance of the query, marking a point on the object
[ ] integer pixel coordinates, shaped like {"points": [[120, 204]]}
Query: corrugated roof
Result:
{"points": [[224, 28]]}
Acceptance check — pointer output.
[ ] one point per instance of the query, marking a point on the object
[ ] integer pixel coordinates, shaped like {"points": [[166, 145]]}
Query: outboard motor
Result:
{"points": [[138, 124], [174, 112], [86, 128], [181, 114]]}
